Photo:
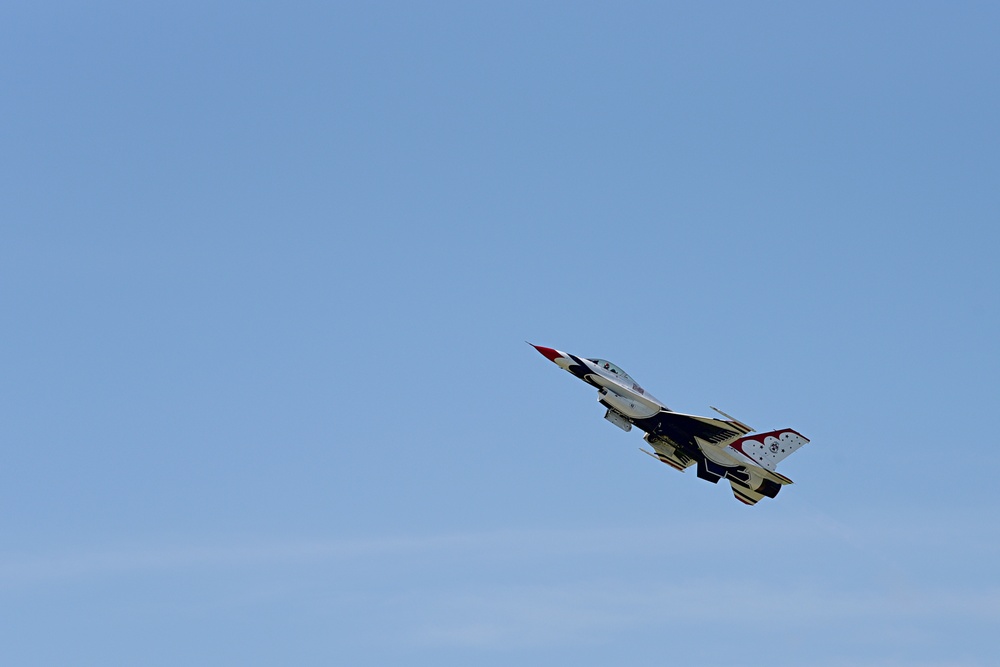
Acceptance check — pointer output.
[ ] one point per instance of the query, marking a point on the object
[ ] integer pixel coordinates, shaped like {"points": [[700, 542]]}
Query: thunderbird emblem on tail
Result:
{"points": [[720, 448]]}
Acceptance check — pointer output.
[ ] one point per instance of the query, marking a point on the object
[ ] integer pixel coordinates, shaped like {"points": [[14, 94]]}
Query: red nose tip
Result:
{"points": [[547, 352]]}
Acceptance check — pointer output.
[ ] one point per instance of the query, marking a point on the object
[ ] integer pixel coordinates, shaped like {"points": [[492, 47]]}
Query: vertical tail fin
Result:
{"points": [[769, 449]]}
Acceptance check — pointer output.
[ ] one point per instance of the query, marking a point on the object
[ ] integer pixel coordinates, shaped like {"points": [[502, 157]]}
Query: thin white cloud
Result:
{"points": [[669, 538], [582, 612], [503, 544], [618, 580]]}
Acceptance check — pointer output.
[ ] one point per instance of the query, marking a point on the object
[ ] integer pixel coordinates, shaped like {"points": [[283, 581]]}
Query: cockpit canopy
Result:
{"points": [[621, 376], [611, 368]]}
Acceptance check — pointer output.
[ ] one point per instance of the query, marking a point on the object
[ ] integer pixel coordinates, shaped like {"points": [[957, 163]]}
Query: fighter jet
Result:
{"points": [[719, 448]]}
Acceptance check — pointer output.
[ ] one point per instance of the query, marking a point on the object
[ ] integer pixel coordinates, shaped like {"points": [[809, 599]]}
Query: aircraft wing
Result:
{"points": [[683, 429]]}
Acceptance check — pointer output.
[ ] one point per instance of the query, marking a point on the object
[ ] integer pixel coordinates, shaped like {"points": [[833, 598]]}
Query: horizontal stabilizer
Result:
{"points": [[745, 495], [775, 476]]}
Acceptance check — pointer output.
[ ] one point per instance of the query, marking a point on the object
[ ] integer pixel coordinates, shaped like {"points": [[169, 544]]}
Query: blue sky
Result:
{"points": [[266, 274]]}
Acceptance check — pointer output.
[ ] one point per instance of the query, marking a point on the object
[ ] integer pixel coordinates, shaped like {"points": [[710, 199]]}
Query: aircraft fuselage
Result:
{"points": [[721, 448]]}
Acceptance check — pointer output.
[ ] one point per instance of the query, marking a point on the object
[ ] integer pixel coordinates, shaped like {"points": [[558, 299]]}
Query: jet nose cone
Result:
{"points": [[547, 352]]}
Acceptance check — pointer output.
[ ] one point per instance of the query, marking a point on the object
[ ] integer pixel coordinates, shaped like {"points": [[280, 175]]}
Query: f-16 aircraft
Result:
{"points": [[720, 448]]}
